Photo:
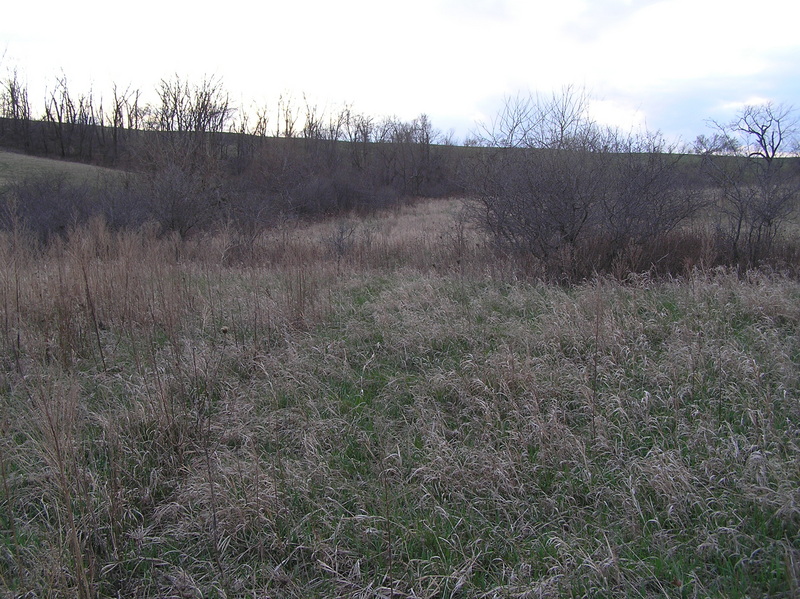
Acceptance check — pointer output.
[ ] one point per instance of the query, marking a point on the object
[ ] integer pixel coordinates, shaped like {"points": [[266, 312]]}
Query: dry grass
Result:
{"points": [[377, 408]]}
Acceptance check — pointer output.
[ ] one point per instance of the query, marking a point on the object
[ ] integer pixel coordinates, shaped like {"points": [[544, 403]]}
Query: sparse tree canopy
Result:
{"points": [[751, 163], [560, 187]]}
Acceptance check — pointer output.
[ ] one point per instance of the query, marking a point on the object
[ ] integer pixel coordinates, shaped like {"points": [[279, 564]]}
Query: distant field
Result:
{"points": [[15, 165]]}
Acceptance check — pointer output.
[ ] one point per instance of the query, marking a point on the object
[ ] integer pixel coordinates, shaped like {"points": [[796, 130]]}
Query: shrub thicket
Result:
{"points": [[577, 198]]}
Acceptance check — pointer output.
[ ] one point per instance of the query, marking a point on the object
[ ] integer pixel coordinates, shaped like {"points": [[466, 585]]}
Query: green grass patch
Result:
{"points": [[16, 166]]}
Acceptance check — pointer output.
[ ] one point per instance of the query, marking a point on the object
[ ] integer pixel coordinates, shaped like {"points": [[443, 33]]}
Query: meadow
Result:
{"points": [[17, 166], [383, 407]]}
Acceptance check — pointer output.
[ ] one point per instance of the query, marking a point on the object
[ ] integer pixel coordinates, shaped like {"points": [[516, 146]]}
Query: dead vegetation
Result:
{"points": [[384, 407]]}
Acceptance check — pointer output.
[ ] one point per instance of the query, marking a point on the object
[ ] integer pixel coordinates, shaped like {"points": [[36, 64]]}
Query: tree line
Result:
{"points": [[197, 160], [548, 184]]}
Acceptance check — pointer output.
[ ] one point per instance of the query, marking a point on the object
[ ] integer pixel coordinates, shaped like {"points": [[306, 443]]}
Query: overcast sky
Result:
{"points": [[665, 64]]}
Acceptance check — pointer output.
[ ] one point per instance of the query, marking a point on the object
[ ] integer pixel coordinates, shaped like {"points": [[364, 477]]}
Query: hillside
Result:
{"points": [[14, 165]]}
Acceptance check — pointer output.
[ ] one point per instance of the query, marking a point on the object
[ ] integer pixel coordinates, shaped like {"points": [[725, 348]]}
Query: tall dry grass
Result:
{"points": [[381, 407]]}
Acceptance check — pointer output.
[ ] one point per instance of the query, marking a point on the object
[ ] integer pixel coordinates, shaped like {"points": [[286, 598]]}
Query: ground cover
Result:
{"points": [[18, 166], [383, 407]]}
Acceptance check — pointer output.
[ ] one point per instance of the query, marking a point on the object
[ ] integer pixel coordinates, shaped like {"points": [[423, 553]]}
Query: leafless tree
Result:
{"points": [[752, 162], [261, 126], [288, 115], [15, 111], [358, 132], [125, 117], [553, 183], [535, 121], [183, 155], [648, 194], [72, 120], [537, 190]]}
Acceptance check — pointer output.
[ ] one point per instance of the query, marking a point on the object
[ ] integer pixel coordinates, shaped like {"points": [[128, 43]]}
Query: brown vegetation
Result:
{"points": [[384, 407], [207, 389]]}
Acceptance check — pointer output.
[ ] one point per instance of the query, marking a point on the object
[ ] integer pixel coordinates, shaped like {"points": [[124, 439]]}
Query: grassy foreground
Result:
{"points": [[376, 409]]}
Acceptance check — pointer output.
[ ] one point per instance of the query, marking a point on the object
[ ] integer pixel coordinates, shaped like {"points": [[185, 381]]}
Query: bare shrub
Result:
{"points": [[47, 204], [552, 182]]}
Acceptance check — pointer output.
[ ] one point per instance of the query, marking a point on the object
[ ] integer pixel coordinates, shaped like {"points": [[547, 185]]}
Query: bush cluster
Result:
{"points": [[577, 198]]}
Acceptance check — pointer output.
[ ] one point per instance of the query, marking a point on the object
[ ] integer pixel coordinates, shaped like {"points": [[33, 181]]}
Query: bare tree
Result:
{"points": [[183, 156], [649, 194], [752, 163], [61, 114], [288, 115], [15, 111], [404, 154], [260, 127], [125, 116], [534, 121], [358, 132], [538, 187], [200, 113]]}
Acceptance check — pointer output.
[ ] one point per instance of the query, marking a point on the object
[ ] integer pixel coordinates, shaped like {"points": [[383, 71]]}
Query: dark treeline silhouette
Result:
{"points": [[195, 161]]}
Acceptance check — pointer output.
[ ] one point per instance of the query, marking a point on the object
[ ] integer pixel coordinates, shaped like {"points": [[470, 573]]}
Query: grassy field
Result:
{"points": [[381, 408], [19, 166]]}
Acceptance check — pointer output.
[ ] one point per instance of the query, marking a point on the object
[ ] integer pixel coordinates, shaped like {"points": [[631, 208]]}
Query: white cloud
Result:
{"points": [[618, 113], [750, 101], [449, 58]]}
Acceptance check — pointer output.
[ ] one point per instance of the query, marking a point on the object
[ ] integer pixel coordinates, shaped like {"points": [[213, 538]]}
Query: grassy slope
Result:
{"points": [[376, 408], [15, 165]]}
